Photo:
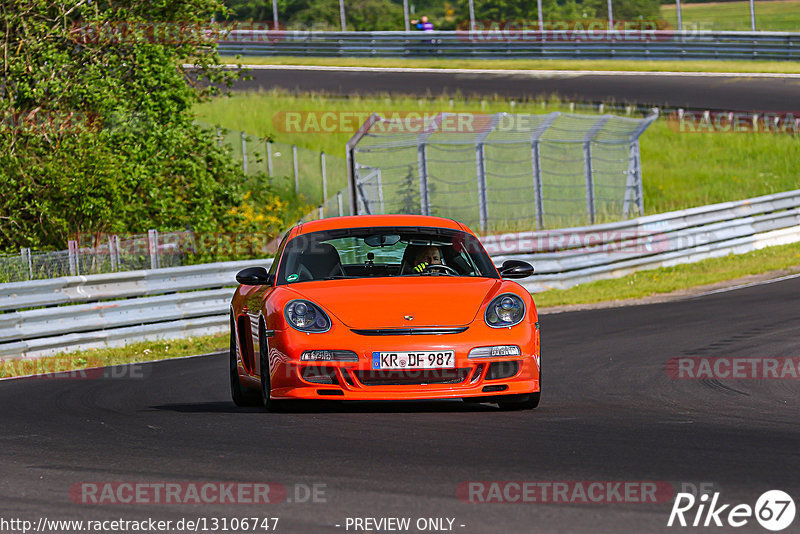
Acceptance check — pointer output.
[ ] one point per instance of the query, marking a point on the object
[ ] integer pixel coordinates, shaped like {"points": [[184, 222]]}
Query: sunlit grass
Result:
{"points": [[669, 279], [680, 170], [136, 352], [771, 15]]}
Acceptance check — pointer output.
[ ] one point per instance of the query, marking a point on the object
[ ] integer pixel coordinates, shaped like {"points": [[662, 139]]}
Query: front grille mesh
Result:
{"points": [[412, 377]]}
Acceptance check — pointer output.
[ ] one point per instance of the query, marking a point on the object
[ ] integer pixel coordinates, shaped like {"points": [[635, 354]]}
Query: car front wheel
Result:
{"points": [[521, 402], [240, 395]]}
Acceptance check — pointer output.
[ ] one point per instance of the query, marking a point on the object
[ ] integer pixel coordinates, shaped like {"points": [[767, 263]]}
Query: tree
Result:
{"points": [[97, 124]]}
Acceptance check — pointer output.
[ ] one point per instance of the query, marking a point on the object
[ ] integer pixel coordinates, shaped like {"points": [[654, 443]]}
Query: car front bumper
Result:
{"points": [[292, 378]]}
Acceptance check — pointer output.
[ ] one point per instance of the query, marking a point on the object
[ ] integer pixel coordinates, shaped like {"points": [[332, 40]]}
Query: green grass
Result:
{"points": [[669, 279], [136, 352], [680, 170], [771, 15], [780, 67]]}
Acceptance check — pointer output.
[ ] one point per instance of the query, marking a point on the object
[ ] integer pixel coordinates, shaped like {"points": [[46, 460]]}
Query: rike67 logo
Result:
{"points": [[774, 510]]}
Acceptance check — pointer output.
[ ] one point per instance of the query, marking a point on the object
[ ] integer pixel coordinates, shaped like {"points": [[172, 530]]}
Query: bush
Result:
{"points": [[97, 127]]}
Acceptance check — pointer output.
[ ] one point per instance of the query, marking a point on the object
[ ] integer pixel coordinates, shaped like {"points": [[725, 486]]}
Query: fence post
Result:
{"points": [[219, 138], [639, 188], [422, 163], [244, 153], [380, 190], [630, 182], [483, 208], [536, 162], [26, 259], [113, 252], [269, 160], [324, 178], [587, 165], [152, 245], [339, 200], [296, 175], [536, 165], [635, 164], [424, 192], [480, 161], [74, 267]]}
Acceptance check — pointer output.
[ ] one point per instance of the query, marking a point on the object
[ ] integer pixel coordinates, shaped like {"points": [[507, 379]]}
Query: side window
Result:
{"points": [[274, 267]]}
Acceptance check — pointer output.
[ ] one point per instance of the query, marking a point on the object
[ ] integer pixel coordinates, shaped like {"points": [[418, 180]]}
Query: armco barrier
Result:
{"points": [[562, 44], [48, 316]]}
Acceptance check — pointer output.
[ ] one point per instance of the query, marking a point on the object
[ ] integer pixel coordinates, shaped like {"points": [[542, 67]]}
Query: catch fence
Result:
{"points": [[502, 171]]}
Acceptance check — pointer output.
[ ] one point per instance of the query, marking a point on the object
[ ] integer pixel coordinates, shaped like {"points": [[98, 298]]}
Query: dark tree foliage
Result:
{"points": [[97, 133], [446, 15]]}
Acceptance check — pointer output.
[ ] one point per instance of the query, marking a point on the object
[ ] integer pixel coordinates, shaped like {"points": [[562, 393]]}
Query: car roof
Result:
{"points": [[370, 221]]}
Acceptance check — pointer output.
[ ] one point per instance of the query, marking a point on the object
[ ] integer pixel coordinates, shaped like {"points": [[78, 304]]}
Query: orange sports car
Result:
{"points": [[384, 307]]}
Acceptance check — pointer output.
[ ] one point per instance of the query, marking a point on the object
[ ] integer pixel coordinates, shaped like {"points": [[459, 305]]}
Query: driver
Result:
{"points": [[426, 256]]}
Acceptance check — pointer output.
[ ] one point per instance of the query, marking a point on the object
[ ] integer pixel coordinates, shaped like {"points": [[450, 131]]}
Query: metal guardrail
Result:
{"points": [[81, 312], [561, 44]]}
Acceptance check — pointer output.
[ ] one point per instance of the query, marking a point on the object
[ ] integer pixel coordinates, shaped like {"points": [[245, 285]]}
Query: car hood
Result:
{"points": [[385, 302]]}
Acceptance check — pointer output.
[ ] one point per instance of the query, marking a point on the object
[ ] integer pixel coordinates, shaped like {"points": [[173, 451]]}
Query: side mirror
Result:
{"points": [[516, 269], [254, 276]]}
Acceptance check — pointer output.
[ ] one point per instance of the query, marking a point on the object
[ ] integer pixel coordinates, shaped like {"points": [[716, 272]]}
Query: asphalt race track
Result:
{"points": [[695, 91], [610, 412]]}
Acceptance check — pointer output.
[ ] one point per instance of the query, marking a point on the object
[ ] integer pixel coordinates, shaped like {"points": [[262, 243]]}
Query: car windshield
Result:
{"points": [[383, 252]]}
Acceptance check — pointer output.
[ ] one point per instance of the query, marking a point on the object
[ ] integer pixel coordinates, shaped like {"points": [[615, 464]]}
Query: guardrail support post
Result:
{"points": [[152, 245], [296, 174]]}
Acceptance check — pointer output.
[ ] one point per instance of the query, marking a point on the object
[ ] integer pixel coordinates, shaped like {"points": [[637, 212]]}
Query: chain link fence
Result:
{"points": [[105, 254], [503, 171], [314, 174]]}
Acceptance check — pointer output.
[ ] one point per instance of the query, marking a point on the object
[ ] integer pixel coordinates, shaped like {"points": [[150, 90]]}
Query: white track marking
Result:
{"points": [[529, 73], [117, 365], [743, 286]]}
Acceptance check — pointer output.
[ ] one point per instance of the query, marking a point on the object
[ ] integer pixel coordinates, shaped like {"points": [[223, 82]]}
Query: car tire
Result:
{"points": [[266, 400], [521, 402], [240, 395]]}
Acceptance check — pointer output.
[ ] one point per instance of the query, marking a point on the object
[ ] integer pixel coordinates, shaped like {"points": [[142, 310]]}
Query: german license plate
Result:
{"points": [[439, 359]]}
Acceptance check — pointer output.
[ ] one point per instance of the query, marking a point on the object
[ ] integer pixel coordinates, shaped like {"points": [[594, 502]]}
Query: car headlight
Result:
{"points": [[505, 310], [306, 316]]}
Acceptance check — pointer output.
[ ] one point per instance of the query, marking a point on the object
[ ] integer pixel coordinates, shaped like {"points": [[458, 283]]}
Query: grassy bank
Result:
{"points": [[679, 277], [136, 352], [780, 67], [772, 15]]}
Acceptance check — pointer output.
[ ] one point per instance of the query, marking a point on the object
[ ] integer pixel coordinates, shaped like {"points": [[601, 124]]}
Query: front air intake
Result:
{"points": [[319, 375], [500, 370]]}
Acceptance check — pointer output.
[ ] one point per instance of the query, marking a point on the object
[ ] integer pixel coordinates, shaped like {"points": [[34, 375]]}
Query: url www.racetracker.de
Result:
{"points": [[197, 524]]}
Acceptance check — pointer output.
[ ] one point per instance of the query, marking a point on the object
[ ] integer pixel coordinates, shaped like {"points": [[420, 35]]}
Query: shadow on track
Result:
{"points": [[445, 406]]}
